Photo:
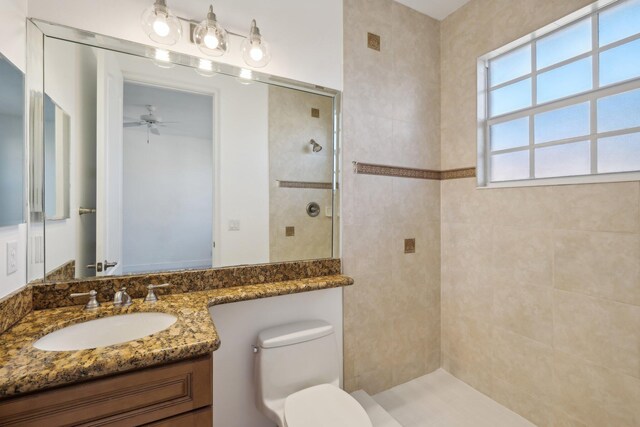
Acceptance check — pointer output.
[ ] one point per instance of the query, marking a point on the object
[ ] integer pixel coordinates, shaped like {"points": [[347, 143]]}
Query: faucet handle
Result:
{"points": [[151, 295], [122, 298], [93, 303]]}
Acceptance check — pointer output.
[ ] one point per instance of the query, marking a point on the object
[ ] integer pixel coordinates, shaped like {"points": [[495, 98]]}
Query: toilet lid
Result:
{"points": [[324, 405]]}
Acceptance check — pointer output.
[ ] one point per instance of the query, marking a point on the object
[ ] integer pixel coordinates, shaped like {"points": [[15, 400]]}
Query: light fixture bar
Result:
{"points": [[163, 27]]}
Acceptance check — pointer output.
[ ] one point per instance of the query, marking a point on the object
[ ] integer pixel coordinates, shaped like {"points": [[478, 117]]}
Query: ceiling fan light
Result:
{"points": [[160, 24], [210, 37]]}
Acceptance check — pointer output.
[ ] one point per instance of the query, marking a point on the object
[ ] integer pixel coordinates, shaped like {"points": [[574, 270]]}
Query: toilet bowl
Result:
{"points": [[297, 378]]}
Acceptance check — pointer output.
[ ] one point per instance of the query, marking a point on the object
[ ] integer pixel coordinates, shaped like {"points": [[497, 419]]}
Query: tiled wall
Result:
{"points": [[291, 158], [540, 286], [391, 116]]}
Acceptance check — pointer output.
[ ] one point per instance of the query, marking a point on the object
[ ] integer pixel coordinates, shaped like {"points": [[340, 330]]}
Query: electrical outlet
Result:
{"points": [[12, 257]]}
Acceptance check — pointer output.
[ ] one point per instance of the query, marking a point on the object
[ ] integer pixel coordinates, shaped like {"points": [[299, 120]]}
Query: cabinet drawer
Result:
{"points": [[128, 399]]}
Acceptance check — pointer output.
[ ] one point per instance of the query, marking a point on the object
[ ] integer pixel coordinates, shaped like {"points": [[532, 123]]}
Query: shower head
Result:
{"points": [[315, 146]]}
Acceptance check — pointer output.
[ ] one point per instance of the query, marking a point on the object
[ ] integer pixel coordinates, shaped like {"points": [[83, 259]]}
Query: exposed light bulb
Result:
{"points": [[210, 37], [211, 41], [160, 24], [161, 27], [256, 53], [255, 50]]}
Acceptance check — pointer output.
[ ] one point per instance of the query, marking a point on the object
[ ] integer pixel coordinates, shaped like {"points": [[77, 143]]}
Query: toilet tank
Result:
{"points": [[293, 357]]}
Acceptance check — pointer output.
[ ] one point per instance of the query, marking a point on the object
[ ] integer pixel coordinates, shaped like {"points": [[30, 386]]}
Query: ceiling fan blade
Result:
{"points": [[154, 131], [132, 124]]}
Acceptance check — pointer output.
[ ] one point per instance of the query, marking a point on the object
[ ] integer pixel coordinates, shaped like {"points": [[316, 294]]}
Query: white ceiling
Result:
{"points": [[438, 9]]}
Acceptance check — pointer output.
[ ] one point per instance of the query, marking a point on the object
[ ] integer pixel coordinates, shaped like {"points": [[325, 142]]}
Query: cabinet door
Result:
{"points": [[198, 418], [128, 399]]}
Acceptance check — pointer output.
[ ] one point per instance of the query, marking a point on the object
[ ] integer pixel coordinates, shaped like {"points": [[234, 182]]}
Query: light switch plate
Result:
{"points": [[12, 257], [234, 225]]}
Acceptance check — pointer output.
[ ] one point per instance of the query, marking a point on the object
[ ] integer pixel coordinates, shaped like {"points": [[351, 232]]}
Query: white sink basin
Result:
{"points": [[105, 331]]}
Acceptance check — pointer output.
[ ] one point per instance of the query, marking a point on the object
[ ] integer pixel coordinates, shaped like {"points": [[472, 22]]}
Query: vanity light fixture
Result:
{"points": [[212, 39], [160, 24]]}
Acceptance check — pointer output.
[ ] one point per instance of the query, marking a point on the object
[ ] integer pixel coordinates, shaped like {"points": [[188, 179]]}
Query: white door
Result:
{"points": [[109, 165]]}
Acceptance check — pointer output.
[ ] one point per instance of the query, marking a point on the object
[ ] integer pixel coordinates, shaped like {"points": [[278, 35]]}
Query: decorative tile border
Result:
{"points": [[14, 307], [54, 295], [303, 184], [402, 172], [458, 173]]}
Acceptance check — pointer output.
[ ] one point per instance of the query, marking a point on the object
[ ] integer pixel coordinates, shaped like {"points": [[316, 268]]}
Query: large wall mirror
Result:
{"points": [[155, 161], [11, 144]]}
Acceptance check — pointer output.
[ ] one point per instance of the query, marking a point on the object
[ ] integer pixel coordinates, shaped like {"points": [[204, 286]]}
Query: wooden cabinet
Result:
{"points": [[177, 394]]}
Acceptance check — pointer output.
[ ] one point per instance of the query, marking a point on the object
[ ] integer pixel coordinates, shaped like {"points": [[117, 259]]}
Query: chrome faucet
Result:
{"points": [[122, 298], [151, 295], [93, 303]]}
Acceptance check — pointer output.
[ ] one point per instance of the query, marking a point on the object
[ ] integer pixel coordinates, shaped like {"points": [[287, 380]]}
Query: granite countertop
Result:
{"points": [[23, 368]]}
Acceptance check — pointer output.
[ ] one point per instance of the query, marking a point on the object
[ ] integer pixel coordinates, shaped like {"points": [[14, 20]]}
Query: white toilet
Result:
{"points": [[297, 378]]}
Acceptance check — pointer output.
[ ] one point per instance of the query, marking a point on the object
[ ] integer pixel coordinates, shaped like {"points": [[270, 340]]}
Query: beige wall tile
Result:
{"points": [[599, 264], [367, 138], [462, 203], [598, 207], [603, 332], [560, 419], [522, 257], [533, 408], [526, 365], [525, 310], [467, 351], [594, 395], [521, 207], [466, 270]]}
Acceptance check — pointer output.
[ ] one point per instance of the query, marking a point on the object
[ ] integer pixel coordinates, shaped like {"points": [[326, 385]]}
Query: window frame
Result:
{"points": [[485, 121]]}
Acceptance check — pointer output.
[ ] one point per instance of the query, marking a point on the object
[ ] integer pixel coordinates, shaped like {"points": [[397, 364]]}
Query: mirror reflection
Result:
{"points": [[11, 143], [167, 168], [56, 161]]}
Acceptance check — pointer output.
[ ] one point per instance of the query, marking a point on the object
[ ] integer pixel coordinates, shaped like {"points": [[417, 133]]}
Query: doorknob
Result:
{"points": [[108, 264]]}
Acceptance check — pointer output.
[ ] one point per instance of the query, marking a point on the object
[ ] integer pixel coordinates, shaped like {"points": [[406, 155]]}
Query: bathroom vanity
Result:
{"points": [[173, 394]]}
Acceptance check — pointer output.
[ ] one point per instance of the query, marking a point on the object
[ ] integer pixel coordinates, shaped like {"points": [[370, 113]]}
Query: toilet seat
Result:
{"points": [[324, 405]]}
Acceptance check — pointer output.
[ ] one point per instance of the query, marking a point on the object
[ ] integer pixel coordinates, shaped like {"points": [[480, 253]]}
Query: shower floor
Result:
{"points": [[440, 399]]}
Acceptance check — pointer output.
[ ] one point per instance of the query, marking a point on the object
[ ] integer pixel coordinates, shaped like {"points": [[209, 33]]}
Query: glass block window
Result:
{"points": [[566, 103]]}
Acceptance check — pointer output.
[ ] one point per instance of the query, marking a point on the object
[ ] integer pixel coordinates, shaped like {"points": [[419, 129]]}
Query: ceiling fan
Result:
{"points": [[150, 120]]}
